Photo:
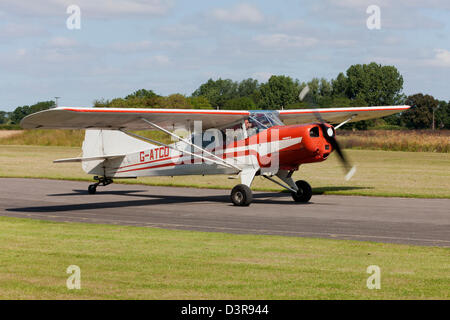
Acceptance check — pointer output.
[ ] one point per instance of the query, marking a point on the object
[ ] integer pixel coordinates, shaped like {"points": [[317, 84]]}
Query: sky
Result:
{"points": [[173, 46]]}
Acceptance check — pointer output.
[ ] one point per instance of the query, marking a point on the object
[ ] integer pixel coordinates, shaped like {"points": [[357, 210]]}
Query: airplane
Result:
{"points": [[244, 144]]}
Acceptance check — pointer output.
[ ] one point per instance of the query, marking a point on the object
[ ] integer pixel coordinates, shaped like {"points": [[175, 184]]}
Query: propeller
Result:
{"points": [[330, 135]]}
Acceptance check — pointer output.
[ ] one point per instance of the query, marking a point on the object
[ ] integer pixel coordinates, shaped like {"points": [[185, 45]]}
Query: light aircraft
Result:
{"points": [[242, 144]]}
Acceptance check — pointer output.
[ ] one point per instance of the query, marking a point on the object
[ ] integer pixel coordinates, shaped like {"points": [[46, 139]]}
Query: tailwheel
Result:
{"points": [[92, 188], [241, 195], [304, 192], [104, 181]]}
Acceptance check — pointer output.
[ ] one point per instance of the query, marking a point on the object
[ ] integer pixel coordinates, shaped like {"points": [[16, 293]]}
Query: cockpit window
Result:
{"points": [[314, 132], [259, 121]]}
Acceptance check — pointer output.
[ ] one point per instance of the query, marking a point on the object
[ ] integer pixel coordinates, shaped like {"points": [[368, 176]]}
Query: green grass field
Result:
{"points": [[379, 173], [390, 140], [145, 263], [120, 262]]}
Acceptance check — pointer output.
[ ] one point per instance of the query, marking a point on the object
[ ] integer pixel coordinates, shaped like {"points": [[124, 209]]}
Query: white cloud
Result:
{"points": [[262, 76], [240, 13], [439, 4], [143, 46], [291, 25], [97, 8], [282, 41], [62, 42], [12, 31], [58, 55], [131, 47], [182, 31], [161, 59], [441, 59], [21, 52]]}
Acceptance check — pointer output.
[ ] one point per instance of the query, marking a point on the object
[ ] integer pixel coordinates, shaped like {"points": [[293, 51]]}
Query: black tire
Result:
{"points": [[92, 189], [241, 195], [304, 192]]}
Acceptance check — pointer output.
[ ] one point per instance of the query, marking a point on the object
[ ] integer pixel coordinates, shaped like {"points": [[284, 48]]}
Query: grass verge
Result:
{"points": [[397, 140], [389, 140], [119, 262], [379, 173]]}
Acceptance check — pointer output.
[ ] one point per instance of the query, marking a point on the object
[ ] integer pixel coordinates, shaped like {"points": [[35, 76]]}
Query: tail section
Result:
{"points": [[99, 144]]}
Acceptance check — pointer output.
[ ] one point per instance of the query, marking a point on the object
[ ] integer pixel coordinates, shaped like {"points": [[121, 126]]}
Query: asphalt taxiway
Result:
{"points": [[391, 220]]}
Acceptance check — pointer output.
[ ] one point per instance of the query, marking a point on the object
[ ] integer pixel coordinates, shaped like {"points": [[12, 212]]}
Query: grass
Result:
{"points": [[10, 127], [69, 138], [8, 134], [379, 173], [397, 140], [119, 262], [391, 140], [64, 138]]}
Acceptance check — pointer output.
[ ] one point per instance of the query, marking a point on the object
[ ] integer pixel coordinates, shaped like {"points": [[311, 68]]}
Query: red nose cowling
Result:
{"points": [[313, 146]]}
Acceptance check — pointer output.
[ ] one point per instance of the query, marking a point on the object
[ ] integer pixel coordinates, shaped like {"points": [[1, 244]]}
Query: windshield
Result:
{"points": [[261, 120]]}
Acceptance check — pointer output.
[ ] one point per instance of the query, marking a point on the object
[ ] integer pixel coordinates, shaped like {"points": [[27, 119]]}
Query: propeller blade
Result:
{"points": [[331, 138], [303, 93]]}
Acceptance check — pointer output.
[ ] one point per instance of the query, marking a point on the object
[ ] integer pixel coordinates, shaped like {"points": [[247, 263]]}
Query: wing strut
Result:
{"points": [[226, 164], [280, 184], [176, 149], [344, 122]]}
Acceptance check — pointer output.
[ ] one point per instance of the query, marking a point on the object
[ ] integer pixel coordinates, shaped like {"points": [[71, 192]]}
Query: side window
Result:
{"points": [[314, 132]]}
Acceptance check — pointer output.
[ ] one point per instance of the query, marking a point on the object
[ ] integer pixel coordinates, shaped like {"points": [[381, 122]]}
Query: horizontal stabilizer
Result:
{"points": [[106, 157]]}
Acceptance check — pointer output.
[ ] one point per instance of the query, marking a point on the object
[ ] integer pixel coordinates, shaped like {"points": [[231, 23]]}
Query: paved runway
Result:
{"points": [[392, 220]]}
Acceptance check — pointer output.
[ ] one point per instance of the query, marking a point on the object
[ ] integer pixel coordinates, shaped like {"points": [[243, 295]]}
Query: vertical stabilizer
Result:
{"points": [[106, 142]]}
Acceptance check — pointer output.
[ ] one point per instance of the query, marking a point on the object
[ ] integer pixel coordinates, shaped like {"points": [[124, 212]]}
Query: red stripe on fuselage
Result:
{"points": [[231, 154]]}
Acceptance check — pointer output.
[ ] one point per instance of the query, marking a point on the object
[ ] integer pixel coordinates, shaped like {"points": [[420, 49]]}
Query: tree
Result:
{"points": [[177, 100], [217, 91], [142, 93], [319, 95], [420, 115], [339, 86], [4, 117], [248, 88], [200, 102], [373, 83], [279, 92], [325, 88], [242, 103], [21, 112], [443, 115]]}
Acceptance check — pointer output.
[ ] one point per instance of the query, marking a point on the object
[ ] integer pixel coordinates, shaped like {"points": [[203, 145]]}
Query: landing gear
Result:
{"points": [[304, 192], [241, 195], [92, 189]]}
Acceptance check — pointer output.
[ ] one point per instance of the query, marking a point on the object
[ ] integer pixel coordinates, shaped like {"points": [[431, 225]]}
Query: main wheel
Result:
{"points": [[241, 195], [304, 192], [92, 189]]}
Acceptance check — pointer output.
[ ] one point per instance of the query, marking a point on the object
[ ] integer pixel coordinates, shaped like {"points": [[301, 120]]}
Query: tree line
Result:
{"points": [[361, 85]]}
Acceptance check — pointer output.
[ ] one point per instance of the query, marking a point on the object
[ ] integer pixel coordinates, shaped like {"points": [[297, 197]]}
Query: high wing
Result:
{"points": [[171, 119], [337, 115], [128, 119]]}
